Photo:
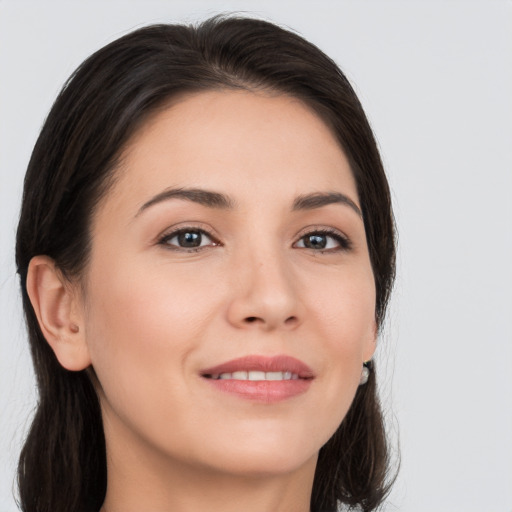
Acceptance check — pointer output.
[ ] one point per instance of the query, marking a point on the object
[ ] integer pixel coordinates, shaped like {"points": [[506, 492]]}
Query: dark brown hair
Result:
{"points": [[62, 466]]}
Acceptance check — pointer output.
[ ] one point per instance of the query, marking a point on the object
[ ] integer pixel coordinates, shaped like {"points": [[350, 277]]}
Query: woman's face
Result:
{"points": [[233, 230]]}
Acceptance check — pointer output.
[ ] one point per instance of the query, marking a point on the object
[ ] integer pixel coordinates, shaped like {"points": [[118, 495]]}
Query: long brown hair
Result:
{"points": [[62, 466]]}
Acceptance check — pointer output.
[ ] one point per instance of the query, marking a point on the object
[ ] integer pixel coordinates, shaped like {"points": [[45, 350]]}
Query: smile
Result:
{"points": [[260, 367], [258, 378]]}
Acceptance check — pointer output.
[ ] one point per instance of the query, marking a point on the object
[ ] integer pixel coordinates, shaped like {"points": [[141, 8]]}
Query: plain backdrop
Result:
{"points": [[436, 81]]}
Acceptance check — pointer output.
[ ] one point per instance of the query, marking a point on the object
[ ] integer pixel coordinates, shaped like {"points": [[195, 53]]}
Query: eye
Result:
{"points": [[188, 238], [323, 240]]}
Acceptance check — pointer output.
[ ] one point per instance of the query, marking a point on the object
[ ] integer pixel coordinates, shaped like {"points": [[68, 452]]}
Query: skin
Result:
{"points": [[151, 314]]}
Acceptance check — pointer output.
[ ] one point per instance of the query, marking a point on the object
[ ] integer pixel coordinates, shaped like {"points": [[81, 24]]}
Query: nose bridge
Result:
{"points": [[265, 294]]}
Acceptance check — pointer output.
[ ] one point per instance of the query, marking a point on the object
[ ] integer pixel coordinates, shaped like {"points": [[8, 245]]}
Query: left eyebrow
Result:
{"points": [[319, 199]]}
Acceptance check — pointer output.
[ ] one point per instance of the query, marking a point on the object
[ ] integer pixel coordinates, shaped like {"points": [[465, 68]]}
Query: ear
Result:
{"points": [[57, 305], [371, 343]]}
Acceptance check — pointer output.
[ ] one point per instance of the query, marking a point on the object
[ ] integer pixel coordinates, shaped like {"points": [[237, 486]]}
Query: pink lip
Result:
{"points": [[265, 391]]}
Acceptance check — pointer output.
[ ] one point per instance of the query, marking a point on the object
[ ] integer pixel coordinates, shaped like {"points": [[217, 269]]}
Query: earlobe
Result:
{"points": [[56, 305]]}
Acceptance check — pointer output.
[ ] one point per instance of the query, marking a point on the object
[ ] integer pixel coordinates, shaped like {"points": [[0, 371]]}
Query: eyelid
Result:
{"points": [[345, 244], [343, 241], [175, 230]]}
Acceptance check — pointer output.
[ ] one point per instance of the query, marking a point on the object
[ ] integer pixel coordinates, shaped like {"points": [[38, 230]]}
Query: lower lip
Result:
{"points": [[266, 391]]}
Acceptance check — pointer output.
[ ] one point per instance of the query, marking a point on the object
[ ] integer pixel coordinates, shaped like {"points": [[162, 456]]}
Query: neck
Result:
{"points": [[142, 478], [207, 492]]}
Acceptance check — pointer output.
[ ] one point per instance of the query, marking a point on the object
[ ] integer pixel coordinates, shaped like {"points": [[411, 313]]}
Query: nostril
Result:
{"points": [[290, 320]]}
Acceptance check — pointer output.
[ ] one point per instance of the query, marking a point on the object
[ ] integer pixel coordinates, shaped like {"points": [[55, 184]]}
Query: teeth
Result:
{"points": [[255, 375]]}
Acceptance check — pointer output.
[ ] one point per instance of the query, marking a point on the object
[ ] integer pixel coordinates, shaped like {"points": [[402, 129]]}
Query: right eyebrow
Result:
{"points": [[206, 198]]}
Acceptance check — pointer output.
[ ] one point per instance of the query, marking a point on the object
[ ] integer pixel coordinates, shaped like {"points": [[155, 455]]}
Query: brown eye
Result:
{"points": [[323, 241], [188, 239], [315, 241]]}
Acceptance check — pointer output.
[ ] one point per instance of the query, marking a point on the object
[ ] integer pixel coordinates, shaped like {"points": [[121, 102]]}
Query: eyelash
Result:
{"points": [[166, 238], [344, 244]]}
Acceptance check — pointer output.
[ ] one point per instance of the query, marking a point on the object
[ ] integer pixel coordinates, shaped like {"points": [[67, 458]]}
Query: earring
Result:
{"points": [[365, 373], [74, 328]]}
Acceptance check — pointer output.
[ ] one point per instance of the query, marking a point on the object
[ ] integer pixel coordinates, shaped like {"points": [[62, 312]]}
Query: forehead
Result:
{"points": [[244, 143]]}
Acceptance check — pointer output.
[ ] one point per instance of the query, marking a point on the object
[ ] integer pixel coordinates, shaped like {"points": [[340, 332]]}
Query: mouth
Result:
{"points": [[261, 378], [253, 375], [259, 367]]}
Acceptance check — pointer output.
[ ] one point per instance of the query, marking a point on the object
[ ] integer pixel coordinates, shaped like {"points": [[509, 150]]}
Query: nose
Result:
{"points": [[264, 295]]}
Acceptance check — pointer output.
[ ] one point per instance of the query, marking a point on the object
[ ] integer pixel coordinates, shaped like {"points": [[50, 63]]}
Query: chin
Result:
{"points": [[265, 453], [265, 464]]}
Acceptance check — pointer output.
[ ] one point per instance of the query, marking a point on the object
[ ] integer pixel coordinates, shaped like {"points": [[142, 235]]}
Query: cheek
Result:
{"points": [[140, 328], [149, 306], [345, 308], [345, 320]]}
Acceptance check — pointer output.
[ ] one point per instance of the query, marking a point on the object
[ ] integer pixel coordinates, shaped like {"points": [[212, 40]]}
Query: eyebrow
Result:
{"points": [[212, 199], [319, 199], [204, 197]]}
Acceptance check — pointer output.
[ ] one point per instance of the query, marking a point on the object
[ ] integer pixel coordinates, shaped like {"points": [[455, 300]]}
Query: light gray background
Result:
{"points": [[435, 79]]}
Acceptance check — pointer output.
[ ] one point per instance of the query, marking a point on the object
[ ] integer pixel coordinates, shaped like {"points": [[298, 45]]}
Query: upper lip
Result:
{"points": [[279, 363]]}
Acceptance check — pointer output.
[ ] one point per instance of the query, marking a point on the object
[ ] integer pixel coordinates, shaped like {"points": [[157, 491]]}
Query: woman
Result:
{"points": [[206, 251]]}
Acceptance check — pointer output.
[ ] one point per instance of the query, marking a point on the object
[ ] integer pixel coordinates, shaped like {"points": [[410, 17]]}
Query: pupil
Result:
{"points": [[189, 239], [315, 242]]}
